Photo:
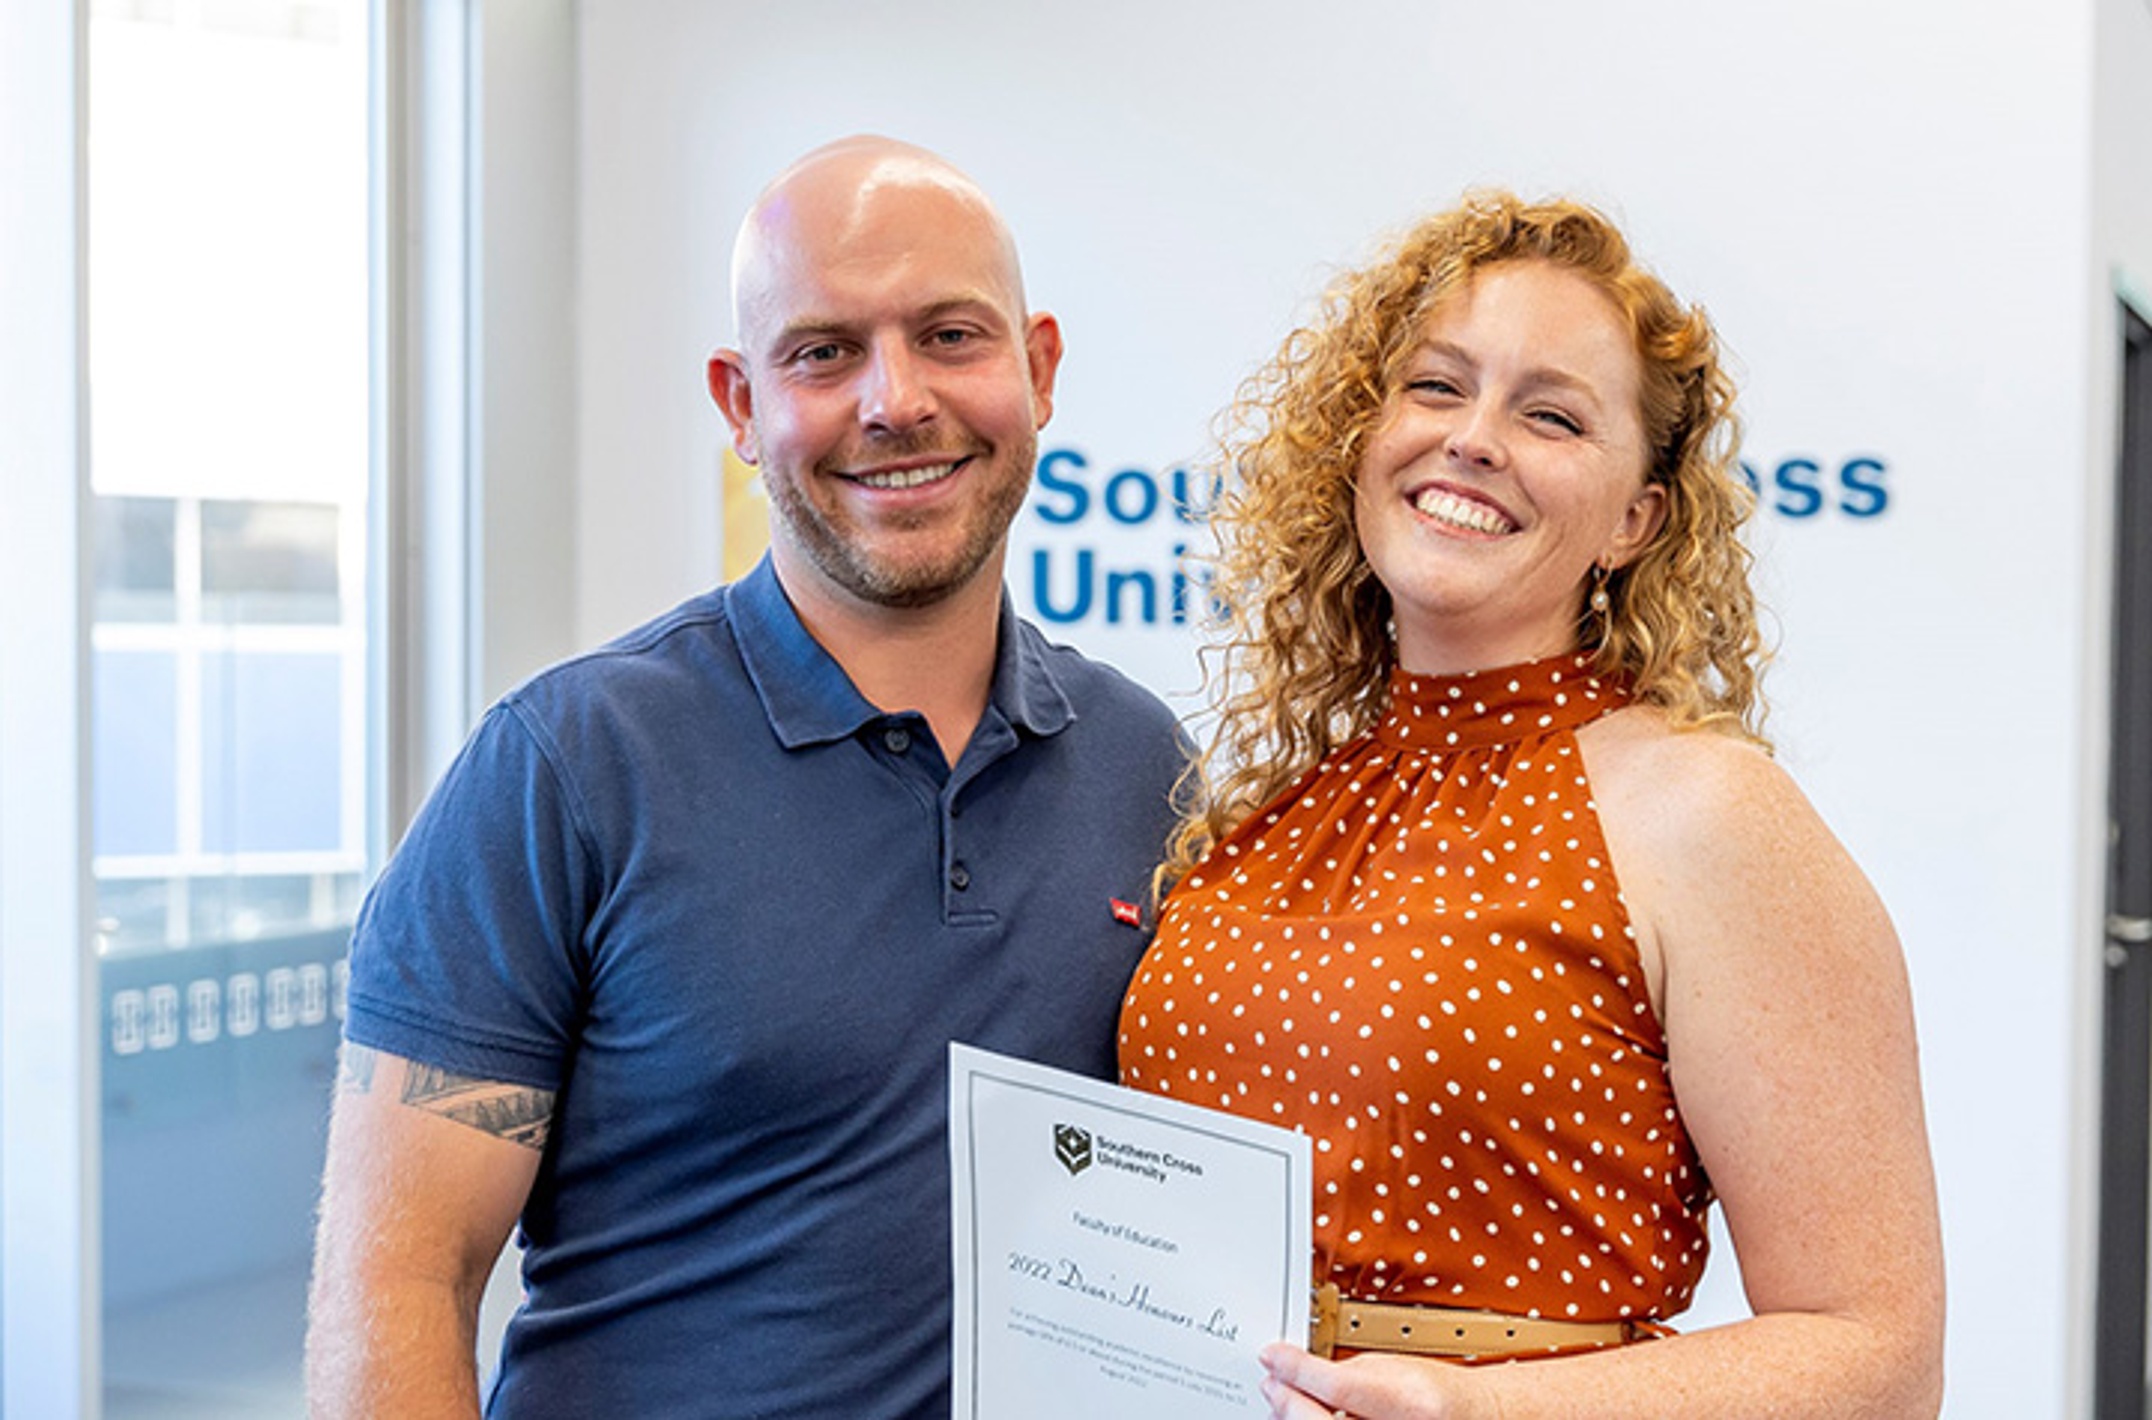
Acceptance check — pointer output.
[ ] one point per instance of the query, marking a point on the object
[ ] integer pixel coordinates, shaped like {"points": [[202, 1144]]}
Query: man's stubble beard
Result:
{"points": [[878, 581]]}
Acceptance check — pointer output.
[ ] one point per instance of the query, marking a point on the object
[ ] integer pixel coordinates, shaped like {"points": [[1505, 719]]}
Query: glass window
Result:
{"points": [[136, 558], [228, 361], [272, 752], [134, 701], [269, 562]]}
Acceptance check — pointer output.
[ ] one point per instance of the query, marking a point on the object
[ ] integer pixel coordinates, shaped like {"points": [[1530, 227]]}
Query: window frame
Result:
{"points": [[49, 1068]]}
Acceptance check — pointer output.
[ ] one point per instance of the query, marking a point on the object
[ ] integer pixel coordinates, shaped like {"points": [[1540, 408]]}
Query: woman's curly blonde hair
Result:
{"points": [[1306, 655]]}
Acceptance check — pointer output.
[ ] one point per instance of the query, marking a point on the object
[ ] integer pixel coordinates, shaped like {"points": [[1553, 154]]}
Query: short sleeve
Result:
{"points": [[469, 951]]}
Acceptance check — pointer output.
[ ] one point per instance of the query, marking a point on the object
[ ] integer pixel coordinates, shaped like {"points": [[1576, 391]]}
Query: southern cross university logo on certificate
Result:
{"points": [[1072, 1146]]}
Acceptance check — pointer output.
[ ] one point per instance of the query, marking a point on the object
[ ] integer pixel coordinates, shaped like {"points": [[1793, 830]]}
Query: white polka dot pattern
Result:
{"points": [[1419, 957]]}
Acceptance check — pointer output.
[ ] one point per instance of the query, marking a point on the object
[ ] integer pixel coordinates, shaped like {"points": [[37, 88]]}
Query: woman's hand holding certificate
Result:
{"points": [[1116, 1253]]}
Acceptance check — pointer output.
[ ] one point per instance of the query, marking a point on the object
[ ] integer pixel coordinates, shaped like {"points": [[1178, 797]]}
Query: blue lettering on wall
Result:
{"points": [[1055, 483], [1144, 596], [1800, 487], [1117, 580], [1122, 583], [1132, 497], [1793, 488], [1143, 585], [1133, 509], [1865, 495], [1042, 583]]}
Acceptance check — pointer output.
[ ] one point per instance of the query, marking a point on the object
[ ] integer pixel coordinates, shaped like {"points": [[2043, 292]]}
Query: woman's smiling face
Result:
{"points": [[1508, 461]]}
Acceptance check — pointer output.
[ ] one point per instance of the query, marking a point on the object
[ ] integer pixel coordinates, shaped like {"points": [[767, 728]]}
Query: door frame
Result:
{"points": [[2125, 1139]]}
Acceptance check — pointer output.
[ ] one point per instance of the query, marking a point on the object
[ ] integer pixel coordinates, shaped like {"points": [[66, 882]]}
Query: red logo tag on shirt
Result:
{"points": [[1127, 912]]}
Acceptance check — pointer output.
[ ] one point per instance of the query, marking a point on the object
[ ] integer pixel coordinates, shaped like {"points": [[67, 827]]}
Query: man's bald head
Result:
{"points": [[889, 382], [833, 197]]}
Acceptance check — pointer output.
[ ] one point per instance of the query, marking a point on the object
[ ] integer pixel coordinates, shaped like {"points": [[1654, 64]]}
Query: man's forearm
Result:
{"points": [[378, 1348], [426, 1172]]}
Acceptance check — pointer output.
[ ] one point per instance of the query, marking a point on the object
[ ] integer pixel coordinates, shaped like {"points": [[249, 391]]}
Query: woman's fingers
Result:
{"points": [[1305, 1387]]}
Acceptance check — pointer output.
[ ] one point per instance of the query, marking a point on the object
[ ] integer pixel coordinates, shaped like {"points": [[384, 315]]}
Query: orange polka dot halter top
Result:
{"points": [[1419, 957]]}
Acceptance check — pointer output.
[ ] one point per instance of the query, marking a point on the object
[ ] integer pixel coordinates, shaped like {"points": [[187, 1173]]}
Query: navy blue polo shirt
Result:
{"points": [[733, 914]]}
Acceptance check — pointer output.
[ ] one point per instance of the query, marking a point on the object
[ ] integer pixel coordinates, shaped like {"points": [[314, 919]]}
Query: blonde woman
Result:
{"points": [[1493, 888]]}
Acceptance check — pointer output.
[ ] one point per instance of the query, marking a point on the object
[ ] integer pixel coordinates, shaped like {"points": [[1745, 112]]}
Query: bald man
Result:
{"points": [[668, 965]]}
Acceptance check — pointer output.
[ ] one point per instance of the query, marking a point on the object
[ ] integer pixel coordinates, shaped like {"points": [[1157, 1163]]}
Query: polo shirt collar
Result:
{"points": [[810, 700], [1025, 688]]}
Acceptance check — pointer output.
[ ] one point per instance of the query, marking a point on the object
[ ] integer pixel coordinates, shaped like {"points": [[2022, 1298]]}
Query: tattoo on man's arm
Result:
{"points": [[517, 1113], [355, 1068]]}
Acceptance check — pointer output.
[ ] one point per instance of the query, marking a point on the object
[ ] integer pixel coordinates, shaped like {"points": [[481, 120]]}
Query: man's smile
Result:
{"points": [[913, 477]]}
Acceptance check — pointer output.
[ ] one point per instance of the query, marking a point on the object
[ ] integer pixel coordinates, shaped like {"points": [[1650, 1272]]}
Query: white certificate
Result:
{"points": [[1117, 1253]]}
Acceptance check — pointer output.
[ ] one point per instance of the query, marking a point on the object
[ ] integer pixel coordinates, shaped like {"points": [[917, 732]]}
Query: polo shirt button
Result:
{"points": [[960, 877], [897, 738]]}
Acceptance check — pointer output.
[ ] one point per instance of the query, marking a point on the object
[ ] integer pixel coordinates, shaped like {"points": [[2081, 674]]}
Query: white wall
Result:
{"points": [[523, 217], [1887, 209]]}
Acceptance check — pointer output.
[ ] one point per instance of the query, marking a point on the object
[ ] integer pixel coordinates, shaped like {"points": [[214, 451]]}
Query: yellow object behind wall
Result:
{"points": [[746, 514]]}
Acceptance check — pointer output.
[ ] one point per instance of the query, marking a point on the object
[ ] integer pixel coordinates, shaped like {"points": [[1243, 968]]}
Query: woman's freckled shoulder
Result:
{"points": [[1686, 787]]}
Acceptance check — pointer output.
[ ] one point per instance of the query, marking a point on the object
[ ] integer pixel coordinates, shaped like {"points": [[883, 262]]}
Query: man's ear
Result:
{"points": [[735, 397], [1042, 349]]}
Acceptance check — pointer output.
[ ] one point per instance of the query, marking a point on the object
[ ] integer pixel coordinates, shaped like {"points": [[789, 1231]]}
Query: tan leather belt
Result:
{"points": [[1447, 1331]]}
